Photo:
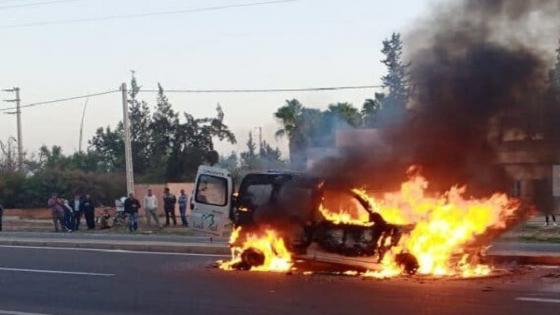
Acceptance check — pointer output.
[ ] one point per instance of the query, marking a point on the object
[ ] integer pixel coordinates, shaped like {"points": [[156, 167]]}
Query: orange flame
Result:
{"points": [[443, 226], [344, 217], [277, 258]]}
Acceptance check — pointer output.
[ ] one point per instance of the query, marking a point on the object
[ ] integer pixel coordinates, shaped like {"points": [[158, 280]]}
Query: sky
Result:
{"points": [[302, 43]]}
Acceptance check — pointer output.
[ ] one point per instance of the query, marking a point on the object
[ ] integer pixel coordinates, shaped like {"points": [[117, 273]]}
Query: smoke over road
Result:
{"points": [[471, 61]]}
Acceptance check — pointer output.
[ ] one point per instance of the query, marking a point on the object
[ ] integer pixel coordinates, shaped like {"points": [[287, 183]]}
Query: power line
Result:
{"points": [[5, 1], [209, 91], [142, 15], [61, 100], [33, 4], [312, 89]]}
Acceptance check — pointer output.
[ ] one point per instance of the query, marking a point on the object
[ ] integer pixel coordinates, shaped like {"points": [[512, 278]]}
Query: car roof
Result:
{"points": [[274, 173]]}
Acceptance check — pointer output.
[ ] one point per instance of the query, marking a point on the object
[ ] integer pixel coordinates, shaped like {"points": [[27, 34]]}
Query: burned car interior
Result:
{"points": [[291, 203]]}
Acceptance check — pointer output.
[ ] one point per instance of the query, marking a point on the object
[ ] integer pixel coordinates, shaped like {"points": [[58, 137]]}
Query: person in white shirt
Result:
{"points": [[151, 205]]}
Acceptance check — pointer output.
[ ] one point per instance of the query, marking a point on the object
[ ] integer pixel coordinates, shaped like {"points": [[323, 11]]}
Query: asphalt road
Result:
{"points": [[72, 281]]}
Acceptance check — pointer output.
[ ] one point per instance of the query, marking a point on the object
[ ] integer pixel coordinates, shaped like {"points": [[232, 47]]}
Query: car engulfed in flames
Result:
{"points": [[287, 221]]}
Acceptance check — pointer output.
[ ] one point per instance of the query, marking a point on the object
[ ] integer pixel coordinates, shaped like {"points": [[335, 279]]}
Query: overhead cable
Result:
{"points": [[142, 15]]}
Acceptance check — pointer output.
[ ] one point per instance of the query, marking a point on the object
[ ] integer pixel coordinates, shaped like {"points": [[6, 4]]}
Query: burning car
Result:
{"points": [[279, 219], [295, 207]]}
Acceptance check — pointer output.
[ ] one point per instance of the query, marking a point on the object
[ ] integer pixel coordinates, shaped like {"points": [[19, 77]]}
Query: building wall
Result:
{"points": [[141, 190]]}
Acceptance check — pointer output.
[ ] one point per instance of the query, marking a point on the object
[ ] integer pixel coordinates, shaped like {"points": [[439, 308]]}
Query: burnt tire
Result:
{"points": [[250, 258], [408, 262]]}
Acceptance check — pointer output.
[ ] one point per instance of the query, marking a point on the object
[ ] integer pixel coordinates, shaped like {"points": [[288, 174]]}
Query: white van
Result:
{"points": [[211, 201]]}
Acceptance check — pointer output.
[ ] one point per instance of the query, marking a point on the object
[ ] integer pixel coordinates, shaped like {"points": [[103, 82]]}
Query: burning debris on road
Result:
{"points": [[258, 252]]}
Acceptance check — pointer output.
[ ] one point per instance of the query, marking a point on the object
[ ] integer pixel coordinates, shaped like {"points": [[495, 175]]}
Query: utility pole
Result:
{"points": [[82, 126], [260, 138], [17, 100], [127, 142]]}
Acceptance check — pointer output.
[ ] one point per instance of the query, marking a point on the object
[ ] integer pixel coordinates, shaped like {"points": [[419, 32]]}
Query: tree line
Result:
{"points": [[168, 146], [306, 127]]}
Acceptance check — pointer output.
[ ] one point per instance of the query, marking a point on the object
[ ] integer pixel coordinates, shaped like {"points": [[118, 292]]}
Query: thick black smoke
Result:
{"points": [[472, 62]]}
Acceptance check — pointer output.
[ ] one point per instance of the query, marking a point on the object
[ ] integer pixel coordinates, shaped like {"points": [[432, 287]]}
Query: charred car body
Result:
{"points": [[293, 205]]}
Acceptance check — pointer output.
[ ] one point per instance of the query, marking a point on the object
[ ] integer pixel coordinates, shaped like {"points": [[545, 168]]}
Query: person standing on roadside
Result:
{"points": [[75, 204], [87, 207], [169, 201], [131, 206], [68, 216], [150, 206], [183, 200], [57, 212]]}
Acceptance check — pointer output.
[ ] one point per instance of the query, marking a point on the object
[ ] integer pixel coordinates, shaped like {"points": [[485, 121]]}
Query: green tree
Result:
{"points": [[291, 118], [108, 145], [163, 129], [140, 131], [396, 81], [249, 158], [309, 127], [268, 153], [8, 157], [343, 113], [265, 157], [52, 158], [371, 109], [54, 172], [194, 144], [231, 163]]}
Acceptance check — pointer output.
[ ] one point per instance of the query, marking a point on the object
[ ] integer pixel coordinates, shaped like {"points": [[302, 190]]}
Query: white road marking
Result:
{"points": [[4, 312], [77, 273], [538, 300], [117, 251]]}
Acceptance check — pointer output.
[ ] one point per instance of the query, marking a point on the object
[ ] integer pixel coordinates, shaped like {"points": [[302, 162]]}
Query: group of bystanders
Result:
{"points": [[67, 215], [132, 207]]}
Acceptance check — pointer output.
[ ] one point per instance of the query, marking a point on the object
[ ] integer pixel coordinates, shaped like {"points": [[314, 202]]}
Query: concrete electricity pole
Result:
{"points": [[127, 142], [17, 100], [82, 125], [260, 138]]}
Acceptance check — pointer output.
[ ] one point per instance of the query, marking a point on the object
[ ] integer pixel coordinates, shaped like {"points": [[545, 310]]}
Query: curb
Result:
{"points": [[187, 248]]}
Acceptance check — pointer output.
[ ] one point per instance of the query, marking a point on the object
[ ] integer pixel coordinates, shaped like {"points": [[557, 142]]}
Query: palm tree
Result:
{"points": [[345, 112], [372, 109], [290, 117]]}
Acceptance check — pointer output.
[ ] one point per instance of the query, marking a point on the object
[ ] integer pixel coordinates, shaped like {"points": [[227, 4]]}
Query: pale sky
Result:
{"points": [[306, 43]]}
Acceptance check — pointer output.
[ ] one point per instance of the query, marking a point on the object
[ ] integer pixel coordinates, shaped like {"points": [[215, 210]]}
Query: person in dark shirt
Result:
{"points": [[75, 204], [183, 200], [131, 206], [169, 201], [87, 207]]}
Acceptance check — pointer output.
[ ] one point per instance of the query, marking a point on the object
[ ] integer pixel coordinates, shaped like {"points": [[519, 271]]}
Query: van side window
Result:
{"points": [[211, 190]]}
